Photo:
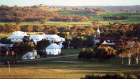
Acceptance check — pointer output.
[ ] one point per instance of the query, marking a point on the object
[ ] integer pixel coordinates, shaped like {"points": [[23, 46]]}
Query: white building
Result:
{"points": [[17, 36], [30, 55], [53, 49]]}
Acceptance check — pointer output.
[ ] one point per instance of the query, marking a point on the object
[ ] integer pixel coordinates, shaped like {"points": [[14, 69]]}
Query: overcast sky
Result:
{"points": [[71, 2]]}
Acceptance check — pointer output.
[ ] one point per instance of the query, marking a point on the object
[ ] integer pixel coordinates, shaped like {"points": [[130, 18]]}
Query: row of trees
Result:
{"points": [[123, 49], [120, 29], [101, 53], [76, 30], [26, 14], [115, 17]]}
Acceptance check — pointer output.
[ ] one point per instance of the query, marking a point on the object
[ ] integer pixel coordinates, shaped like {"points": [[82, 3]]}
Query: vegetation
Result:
{"points": [[117, 76], [52, 68], [28, 14]]}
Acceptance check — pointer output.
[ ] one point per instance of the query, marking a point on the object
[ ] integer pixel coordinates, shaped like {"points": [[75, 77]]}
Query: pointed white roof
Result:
{"points": [[53, 46], [98, 30]]}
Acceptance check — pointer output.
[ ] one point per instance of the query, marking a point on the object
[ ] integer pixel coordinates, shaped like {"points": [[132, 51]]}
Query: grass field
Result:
{"points": [[52, 69], [2, 35], [131, 18]]}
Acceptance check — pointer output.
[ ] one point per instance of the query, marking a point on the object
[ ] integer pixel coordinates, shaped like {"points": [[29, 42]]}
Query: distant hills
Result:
{"points": [[117, 8], [110, 8]]}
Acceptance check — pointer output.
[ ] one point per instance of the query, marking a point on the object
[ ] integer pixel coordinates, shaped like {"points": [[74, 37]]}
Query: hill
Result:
{"points": [[29, 14]]}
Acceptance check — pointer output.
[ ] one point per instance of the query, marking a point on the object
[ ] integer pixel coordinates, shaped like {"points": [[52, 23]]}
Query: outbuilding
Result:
{"points": [[53, 49]]}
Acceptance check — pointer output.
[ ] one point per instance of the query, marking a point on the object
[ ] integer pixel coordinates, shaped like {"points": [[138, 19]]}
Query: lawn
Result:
{"points": [[52, 69]]}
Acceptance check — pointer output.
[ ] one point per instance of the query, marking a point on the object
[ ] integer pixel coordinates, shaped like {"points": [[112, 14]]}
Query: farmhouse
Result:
{"points": [[17, 36]]}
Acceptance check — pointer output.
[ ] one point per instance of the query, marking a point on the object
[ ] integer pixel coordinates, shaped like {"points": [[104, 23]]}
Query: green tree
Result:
{"points": [[41, 47], [105, 53], [76, 42]]}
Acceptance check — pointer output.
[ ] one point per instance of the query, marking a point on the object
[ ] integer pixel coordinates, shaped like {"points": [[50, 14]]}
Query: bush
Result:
{"points": [[84, 54]]}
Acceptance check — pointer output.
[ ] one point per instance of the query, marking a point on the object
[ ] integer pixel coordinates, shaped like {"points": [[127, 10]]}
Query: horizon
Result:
{"points": [[71, 3]]}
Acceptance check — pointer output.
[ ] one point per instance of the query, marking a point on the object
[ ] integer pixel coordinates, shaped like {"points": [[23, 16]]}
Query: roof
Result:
{"points": [[19, 33], [15, 37], [36, 37], [108, 44], [53, 46], [52, 36], [98, 30]]}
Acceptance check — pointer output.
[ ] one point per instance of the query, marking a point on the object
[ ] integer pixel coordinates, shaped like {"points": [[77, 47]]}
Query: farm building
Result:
{"points": [[53, 49]]}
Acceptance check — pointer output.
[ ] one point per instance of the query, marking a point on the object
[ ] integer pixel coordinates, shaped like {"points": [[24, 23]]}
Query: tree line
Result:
{"points": [[115, 17]]}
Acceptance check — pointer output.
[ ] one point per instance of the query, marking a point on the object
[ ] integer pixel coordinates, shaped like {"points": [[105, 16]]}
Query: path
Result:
{"points": [[48, 58]]}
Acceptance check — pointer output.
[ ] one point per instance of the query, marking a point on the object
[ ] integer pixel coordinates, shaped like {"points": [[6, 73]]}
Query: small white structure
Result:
{"points": [[17, 36], [30, 55], [53, 49], [108, 44]]}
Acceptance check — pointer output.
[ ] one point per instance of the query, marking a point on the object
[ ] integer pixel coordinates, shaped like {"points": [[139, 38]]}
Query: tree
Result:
{"points": [[23, 47], [41, 45], [96, 23], [76, 42], [121, 48], [105, 53], [38, 28], [136, 51], [5, 41]]}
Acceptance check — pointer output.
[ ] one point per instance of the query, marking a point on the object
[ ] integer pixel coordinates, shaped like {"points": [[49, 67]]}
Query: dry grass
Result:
{"points": [[49, 69]]}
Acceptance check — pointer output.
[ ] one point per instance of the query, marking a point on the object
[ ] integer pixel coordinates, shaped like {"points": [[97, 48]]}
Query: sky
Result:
{"points": [[71, 2]]}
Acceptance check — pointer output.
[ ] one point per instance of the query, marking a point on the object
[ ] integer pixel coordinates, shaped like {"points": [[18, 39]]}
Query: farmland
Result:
{"points": [[53, 68], [134, 18]]}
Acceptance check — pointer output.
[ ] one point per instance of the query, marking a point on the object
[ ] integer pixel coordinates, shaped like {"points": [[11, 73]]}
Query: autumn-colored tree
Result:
{"points": [[38, 28], [105, 53], [136, 51], [121, 48]]}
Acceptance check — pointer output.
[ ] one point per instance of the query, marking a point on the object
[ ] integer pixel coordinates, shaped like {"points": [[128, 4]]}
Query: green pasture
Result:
{"points": [[134, 18]]}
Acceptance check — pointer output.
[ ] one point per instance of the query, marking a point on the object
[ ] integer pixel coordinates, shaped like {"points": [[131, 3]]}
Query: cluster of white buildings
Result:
{"points": [[18, 36], [52, 49]]}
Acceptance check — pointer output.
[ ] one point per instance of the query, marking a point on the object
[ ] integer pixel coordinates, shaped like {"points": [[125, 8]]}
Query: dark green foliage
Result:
{"points": [[116, 76], [41, 45], [84, 54], [105, 53], [9, 56], [65, 43], [22, 48], [5, 41], [115, 17], [76, 42]]}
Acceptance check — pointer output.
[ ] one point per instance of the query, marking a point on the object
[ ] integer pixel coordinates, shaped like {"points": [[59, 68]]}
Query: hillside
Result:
{"points": [[28, 14]]}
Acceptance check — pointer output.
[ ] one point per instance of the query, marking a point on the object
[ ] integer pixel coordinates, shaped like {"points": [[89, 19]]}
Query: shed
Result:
{"points": [[53, 49]]}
